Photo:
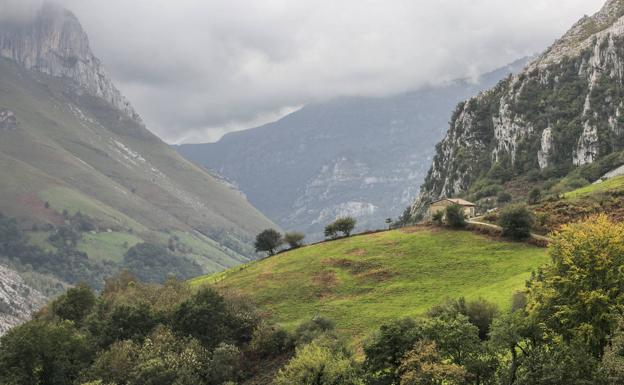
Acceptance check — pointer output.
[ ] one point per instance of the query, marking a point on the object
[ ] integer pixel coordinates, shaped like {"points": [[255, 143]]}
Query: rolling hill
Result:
{"points": [[362, 281]]}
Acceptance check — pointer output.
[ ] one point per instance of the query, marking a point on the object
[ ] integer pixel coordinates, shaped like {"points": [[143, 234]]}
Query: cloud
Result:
{"points": [[198, 68], [18, 10]]}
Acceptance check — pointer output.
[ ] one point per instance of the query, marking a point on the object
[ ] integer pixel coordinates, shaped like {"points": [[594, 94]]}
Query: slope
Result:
{"points": [[365, 280], [70, 142], [350, 156]]}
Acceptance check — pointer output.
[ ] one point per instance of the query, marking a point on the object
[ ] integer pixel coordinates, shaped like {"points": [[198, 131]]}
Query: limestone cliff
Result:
{"points": [[54, 43], [564, 110], [17, 300]]}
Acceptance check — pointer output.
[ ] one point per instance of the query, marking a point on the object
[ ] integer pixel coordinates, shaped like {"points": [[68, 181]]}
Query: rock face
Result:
{"points": [[17, 300], [563, 110], [8, 121], [55, 43], [362, 157]]}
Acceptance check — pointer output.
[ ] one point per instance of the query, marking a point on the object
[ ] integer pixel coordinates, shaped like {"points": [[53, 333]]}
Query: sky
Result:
{"points": [[197, 69]]}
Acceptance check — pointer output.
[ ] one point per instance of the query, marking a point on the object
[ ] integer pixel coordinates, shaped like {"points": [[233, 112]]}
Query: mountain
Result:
{"points": [[75, 154], [562, 111], [17, 299], [367, 280], [350, 156]]}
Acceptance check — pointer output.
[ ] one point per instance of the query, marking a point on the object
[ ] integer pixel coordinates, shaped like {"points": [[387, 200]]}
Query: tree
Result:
{"points": [[535, 195], [516, 222], [294, 239], [345, 225], [455, 216], [319, 363], [74, 305], [268, 240], [389, 223], [423, 365], [387, 347], [331, 231], [578, 296], [39, 352], [155, 263]]}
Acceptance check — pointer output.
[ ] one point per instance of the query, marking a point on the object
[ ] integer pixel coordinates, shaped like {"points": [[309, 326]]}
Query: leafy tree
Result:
{"points": [[579, 295], [39, 352], [503, 197], [319, 363], [208, 318], [516, 222], [423, 365], [455, 216], [345, 225], [387, 347], [122, 322], [294, 239], [331, 231], [75, 305], [268, 240], [389, 223], [535, 196]]}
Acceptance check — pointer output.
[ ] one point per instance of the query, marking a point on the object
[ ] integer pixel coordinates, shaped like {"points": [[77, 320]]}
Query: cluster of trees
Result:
{"points": [[344, 226], [135, 333], [271, 240], [66, 262]]}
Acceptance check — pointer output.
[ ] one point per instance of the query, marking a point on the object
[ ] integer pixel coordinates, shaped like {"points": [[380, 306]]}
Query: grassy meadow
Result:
{"points": [[363, 281]]}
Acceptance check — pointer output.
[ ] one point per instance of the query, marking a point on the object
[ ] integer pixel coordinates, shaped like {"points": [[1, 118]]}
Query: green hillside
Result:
{"points": [[71, 153], [365, 280]]}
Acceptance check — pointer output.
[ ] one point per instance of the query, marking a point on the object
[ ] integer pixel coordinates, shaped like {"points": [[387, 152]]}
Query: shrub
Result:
{"points": [[535, 195], [503, 197], [294, 239], [155, 263], [331, 231], [268, 240], [516, 222], [455, 216], [438, 217]]}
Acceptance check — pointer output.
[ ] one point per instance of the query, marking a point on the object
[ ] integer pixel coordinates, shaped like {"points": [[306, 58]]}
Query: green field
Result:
{"points": [[608, 186], [366, 280]]}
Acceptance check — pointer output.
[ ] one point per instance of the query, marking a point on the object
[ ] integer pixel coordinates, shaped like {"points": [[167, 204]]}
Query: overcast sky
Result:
{"points": [[195, 69]]}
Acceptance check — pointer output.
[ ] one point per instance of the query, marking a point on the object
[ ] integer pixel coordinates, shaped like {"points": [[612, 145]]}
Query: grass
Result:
{"points": [[363, 281], [107, 246], [611, 185]]}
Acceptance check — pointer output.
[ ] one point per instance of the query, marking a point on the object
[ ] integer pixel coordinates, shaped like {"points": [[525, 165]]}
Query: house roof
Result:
{"points": [[456, 201]]}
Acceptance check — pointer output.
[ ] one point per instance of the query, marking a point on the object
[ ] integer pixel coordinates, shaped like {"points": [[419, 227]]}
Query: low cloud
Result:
{"points": [[198, 68]]}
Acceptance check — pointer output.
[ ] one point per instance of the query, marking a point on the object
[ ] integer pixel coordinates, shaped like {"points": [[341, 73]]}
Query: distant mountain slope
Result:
{"points": [[351, 156], [562, 111], [364, 281], [69, 141]]}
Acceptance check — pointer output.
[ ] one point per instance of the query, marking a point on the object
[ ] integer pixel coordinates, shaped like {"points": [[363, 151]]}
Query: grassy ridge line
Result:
{"points": [[610, 185], [363, 281]]}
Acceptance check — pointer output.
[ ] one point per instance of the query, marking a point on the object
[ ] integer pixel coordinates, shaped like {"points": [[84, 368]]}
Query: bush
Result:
{"points": [[503, 197], [331, 231], [268, 240], [438, 217], [516, 222], [155, 263], [294, 239], [455, 216], [535, 195]]}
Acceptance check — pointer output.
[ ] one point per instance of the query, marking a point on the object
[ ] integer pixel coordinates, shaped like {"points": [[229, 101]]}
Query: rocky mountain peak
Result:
{"points": [[53, 42]]}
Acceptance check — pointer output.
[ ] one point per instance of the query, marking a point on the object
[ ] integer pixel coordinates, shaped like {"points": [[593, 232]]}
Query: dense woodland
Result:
{"points": [[566, 327]]}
